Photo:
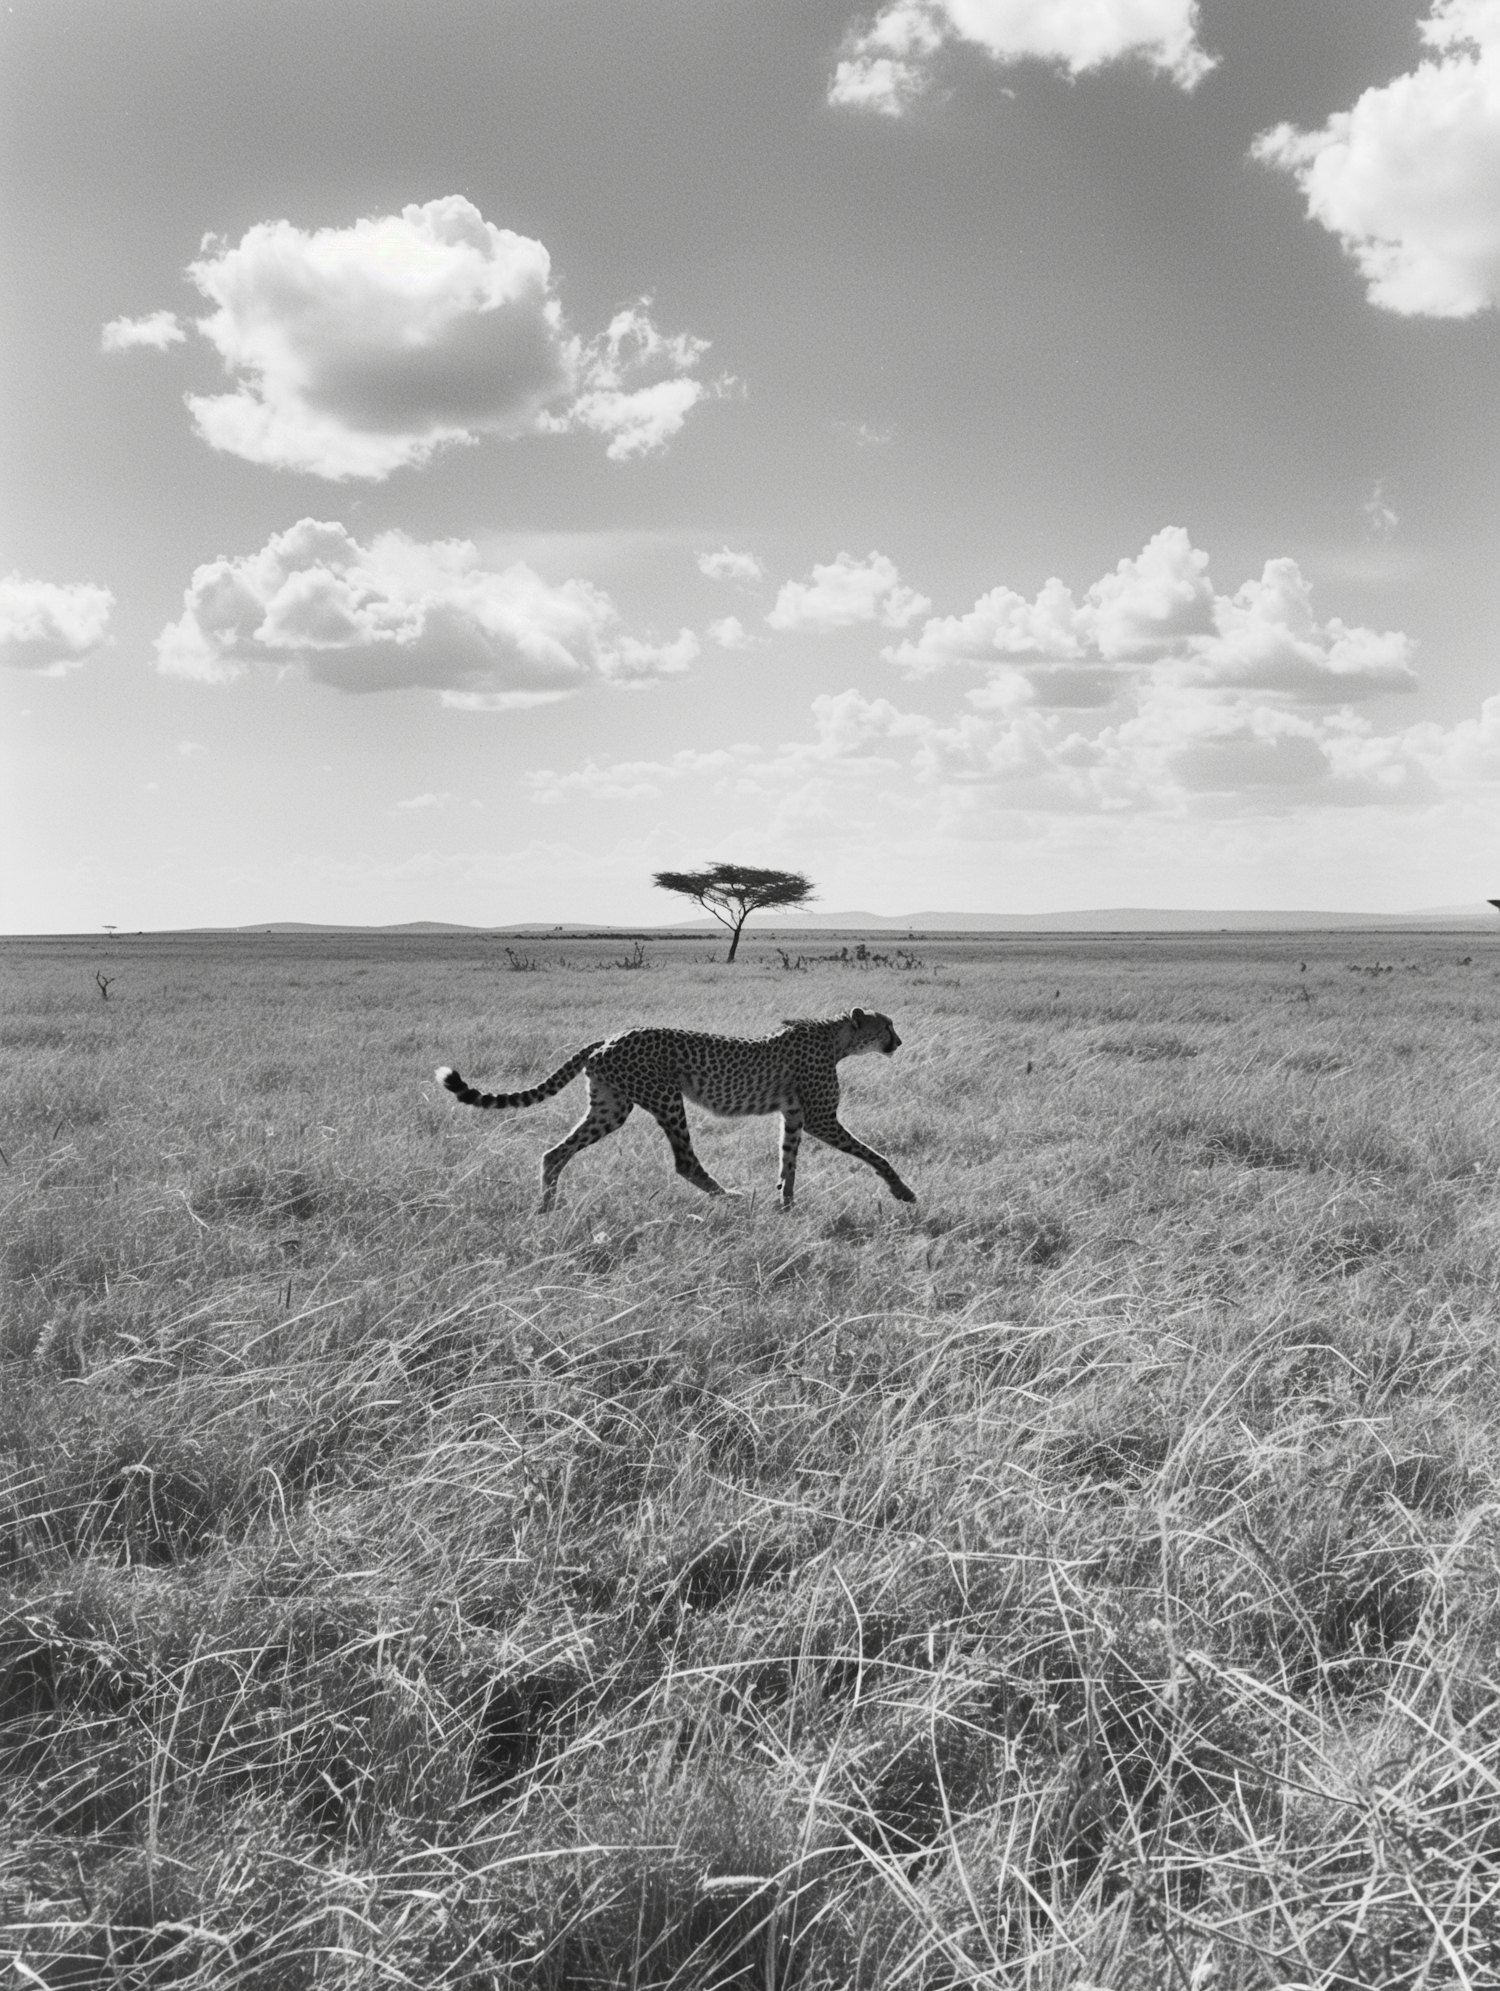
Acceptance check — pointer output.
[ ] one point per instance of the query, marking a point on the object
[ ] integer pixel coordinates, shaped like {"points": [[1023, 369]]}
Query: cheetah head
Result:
{"points": [[872, 1032]]}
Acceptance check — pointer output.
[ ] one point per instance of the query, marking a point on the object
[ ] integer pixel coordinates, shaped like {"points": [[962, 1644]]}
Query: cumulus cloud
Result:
{"points": [[637, 420], [730, 633], [430, 800], [158, 330], [727, 565], [851, 728], [643, 417], [847, 591], [1206, 749], [1464, 754], [1409, 179], [630, 661], [1151, 604], [51, 627], [1159, 615], [354, 351], [1181, 752], [400, 614], [887, 63], [1151, 694], [359, 349], [1057, 687], [1145, 608], [1001, 623], [1265, 638]]}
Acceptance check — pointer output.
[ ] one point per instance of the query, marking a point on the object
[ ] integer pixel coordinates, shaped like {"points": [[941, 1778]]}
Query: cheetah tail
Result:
{"points": [[446, 1075]]}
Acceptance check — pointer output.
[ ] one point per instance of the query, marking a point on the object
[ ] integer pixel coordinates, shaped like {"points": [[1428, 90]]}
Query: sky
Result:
{"points": [[987, 455]]}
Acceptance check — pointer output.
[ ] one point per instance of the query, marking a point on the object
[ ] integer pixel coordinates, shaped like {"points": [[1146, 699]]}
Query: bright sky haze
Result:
{"points": [[990, 455]]}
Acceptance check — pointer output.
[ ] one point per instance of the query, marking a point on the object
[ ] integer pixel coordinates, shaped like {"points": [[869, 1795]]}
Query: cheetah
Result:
{"points": [[794, 1073]]}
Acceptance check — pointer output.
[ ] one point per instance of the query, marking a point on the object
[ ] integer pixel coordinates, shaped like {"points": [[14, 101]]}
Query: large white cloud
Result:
{"points": [[51, 626], [1151, 693], [1409, 179], [1266, 639], [400, 614], [846, 591], [886, 63], [356, 350], [1181, 752], [1233, 751], [1157, 615]]}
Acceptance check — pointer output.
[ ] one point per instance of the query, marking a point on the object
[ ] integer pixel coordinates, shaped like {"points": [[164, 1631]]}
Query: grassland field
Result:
{"points": [[1086, 1577]]}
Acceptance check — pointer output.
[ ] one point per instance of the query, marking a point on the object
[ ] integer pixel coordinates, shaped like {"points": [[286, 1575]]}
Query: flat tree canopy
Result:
{"points": [[731, 892]]}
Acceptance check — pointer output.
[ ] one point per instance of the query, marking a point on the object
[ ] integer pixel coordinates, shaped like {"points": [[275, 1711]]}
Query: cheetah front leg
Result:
{"points": [[670, 1117], [608, 1112], [834, 1135], [791, 1138]]}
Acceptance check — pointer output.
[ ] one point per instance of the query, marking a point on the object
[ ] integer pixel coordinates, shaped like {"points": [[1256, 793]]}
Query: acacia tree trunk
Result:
{"points": [[735, 938]]}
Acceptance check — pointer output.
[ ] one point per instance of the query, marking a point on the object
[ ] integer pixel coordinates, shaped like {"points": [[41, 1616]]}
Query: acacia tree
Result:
{"points": [[731, 892]]}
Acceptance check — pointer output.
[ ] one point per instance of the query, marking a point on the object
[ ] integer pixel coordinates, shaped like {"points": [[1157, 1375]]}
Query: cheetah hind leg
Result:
{"points": [[670, 1117], [608, 1111]]}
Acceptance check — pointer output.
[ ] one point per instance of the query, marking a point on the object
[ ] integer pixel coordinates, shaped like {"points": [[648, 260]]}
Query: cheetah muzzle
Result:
{"points": [[793, 1073]]}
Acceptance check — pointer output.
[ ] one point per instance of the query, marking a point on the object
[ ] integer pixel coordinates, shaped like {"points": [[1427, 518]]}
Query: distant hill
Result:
{"points": [[1108, 919], [321, 926], [1139, 919]]}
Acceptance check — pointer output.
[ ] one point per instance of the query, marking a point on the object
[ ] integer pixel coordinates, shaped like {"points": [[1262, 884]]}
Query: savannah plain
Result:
{"points": [[1084, 1577]]}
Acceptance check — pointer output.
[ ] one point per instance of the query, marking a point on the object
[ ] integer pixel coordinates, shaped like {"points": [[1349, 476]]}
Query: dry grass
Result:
{"points": [[1085, 1578]]}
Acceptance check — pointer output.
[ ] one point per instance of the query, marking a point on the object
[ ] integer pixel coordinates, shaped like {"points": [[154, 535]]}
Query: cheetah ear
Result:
{"points": [[858, 1018]]}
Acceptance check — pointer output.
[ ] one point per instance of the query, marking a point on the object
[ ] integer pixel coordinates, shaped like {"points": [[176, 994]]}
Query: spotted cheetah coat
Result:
{"points": [[793, 1073]]}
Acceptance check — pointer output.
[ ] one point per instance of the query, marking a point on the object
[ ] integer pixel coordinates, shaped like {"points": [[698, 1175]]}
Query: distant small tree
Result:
{"points": [[731, 892]]}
